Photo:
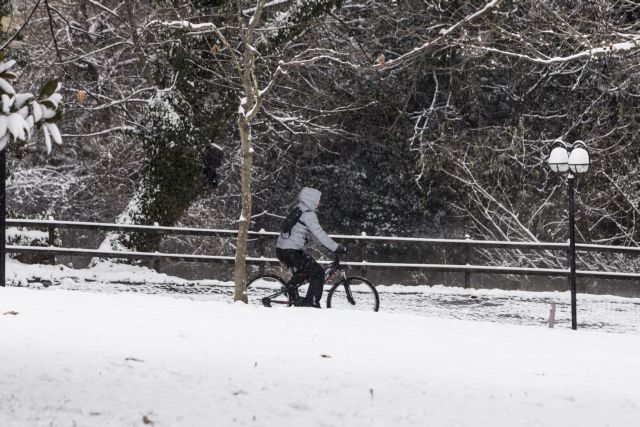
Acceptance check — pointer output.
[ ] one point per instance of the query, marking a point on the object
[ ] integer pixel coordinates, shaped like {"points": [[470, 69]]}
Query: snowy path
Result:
{"points": [[608, 313], [598, 312], [96, 359]]}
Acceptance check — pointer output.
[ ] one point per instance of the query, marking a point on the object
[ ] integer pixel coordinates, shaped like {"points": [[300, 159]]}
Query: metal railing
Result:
{"points": [[466, 244]]}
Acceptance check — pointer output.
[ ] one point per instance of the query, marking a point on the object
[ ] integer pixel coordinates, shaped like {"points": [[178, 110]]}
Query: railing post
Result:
{"points": [[364, 252], [52, 239], [552, 315], [467, 261], [156, 261], [261, 248]]}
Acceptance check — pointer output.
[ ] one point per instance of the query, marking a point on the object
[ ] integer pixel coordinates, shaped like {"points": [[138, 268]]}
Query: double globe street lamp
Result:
{"points": [[572, 159]]}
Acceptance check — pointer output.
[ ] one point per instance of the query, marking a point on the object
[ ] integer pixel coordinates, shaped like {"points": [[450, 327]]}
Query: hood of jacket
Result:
{"points": [[310, 198]]}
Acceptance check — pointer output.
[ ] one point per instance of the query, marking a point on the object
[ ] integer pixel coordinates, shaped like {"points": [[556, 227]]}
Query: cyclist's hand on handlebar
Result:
{"points": [[340, 250]]}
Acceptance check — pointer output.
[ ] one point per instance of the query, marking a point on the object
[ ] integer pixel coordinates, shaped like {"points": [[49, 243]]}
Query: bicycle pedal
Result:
{"points": [[266, 302]]}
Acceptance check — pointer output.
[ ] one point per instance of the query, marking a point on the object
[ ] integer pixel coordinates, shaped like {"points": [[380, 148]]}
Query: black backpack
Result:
{"points": [[290, 220], [212, 157]]}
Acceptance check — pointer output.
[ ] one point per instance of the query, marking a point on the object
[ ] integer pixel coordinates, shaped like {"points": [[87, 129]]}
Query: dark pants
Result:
{"points": [[304, 267]]}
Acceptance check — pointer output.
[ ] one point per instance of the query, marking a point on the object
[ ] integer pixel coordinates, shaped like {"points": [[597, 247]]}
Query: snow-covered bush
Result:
{"points": [[22, 113], [19, 236]]}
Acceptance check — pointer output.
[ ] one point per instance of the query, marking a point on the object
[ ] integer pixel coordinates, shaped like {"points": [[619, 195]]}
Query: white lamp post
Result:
{"points": [[574, 159]]}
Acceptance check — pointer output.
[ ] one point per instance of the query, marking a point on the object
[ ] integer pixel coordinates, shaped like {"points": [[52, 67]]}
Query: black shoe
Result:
{"points": [[292, 291], [304, 302]]}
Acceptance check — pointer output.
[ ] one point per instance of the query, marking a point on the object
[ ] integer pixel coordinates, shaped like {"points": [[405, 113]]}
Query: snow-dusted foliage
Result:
{"points": [[172, 168], [172, 172], [289, 23], [25, 237], [23, 113]]}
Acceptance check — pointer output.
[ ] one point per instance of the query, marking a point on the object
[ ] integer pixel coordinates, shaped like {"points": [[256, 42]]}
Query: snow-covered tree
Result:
{"points": [[24, 113]]}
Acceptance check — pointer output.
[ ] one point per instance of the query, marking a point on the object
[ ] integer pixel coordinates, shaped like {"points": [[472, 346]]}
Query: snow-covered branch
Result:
{"points": [[634, 43], [429, 46], [298, 61], [207, 26], [251, 10], [102, 132], [95, 52], [103, 7]]}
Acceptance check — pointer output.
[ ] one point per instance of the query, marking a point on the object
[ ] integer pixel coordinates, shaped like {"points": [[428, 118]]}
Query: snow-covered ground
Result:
{"points": [[602, 312], [73, 358]]}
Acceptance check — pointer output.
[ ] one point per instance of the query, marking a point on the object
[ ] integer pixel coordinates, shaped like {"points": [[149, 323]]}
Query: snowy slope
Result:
{"points": [[95, 359]]}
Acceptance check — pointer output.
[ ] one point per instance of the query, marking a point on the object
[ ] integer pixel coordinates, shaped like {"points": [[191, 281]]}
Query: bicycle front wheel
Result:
{"points": [[269, 287], [353, 293]]}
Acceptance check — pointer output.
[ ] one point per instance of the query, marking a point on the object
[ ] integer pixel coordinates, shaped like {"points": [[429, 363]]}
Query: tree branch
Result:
{"points": [[409, 57]]}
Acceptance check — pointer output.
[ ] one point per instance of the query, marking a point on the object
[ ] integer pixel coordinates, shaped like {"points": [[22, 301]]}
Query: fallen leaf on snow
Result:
{"points": [[13, 313], [146, 420]]}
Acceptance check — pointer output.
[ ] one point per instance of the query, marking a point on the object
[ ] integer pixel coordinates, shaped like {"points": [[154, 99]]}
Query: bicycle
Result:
{"points": [[347, 292]]}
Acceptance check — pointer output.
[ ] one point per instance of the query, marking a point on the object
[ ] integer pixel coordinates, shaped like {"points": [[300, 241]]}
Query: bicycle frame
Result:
{"points": [[329, 276]]}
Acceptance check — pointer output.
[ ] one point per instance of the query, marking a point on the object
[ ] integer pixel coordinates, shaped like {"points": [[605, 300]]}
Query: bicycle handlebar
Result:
{"points": [[336, 262]]}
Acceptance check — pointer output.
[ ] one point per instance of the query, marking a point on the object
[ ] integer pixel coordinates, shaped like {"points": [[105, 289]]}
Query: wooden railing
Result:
{"points": [[364, 241]]}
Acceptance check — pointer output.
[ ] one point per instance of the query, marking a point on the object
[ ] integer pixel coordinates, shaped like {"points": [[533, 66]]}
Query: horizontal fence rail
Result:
{"points": [[211, 232], [468, 268]]}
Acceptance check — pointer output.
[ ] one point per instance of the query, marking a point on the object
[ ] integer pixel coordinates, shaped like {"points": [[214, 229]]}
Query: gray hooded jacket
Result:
{"points": [[308, 224]]}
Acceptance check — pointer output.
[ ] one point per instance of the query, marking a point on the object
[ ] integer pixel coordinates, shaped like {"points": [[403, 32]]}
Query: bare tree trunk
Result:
{"points": [[240, 275], [249, 107]]}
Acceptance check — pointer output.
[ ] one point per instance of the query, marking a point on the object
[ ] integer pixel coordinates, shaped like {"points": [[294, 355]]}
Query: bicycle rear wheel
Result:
{"points": [[353, 293], [270, 287]]}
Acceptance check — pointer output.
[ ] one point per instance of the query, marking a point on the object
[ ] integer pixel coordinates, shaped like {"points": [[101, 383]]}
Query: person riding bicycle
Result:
{"points": [[290, 248]]}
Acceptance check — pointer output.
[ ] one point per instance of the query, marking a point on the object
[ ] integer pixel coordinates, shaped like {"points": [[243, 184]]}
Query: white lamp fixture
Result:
{"points": [[559, 159], [579, 158]]}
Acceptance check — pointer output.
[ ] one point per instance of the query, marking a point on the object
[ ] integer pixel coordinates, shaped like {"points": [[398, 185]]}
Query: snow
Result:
{"points": [[80, 358], [111, 358], [597, 312], [25, 237]]}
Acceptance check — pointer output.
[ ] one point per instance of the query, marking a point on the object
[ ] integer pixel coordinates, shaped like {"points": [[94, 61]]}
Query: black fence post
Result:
{"points": [[467, 261], [52, 240], [261, 248], [157, 261]]}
